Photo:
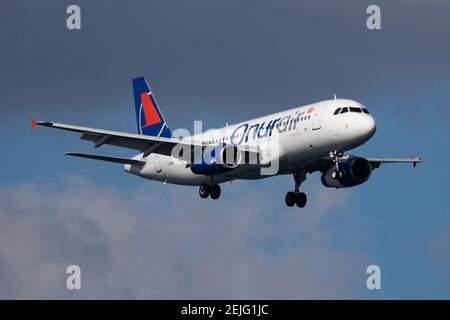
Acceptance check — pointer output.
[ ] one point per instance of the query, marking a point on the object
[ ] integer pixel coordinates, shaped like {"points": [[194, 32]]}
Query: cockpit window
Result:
{"points": [[337, 111], [365, 110], [344, 110], [354, 109]]}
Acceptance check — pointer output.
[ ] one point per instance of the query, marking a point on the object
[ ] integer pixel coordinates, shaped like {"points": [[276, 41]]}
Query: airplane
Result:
{"points": [[297, 142]]}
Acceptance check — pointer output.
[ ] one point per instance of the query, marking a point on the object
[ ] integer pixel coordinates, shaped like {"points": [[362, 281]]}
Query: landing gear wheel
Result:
{"points": [[204, 190], [290, 199], [301, 199], [215, 191]]}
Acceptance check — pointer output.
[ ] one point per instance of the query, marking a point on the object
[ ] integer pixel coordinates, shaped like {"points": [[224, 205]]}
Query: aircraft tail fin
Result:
{"points": [[150, 120]]}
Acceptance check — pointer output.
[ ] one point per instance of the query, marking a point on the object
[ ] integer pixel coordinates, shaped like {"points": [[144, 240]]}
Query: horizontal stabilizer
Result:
{"points": [[106, 158]]}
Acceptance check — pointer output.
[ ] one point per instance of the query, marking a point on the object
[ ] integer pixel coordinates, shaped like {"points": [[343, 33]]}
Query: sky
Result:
{"points": [[221, 61]]}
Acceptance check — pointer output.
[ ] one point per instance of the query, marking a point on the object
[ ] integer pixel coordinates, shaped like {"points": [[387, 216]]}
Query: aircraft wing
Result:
{"points": [[143, 143], [376, 162], [106, 158], [323, 164]]}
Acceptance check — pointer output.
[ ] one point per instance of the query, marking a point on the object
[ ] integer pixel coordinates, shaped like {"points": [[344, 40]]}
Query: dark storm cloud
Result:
{"points": [[238, 58]]}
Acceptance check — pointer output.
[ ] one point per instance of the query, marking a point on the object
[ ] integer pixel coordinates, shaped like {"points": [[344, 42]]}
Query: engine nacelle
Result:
{"points": [[354, 171], [217, 159]]}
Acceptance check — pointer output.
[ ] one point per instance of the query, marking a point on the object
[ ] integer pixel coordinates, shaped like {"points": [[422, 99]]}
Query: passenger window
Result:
{"points": [[365, 110], [344, 110], [354, 109], [337, 111]]}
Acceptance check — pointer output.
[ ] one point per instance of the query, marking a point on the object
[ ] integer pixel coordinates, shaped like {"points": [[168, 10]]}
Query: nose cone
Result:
{"points": [[366, 127]]}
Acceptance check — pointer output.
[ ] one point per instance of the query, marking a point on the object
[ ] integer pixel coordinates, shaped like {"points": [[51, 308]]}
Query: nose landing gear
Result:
{"points": [[209, 189], [297, 197], [336, 155]]}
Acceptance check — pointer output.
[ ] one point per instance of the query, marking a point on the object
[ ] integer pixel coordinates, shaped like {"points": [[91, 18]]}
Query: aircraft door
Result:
{"points": [[316, 118]]}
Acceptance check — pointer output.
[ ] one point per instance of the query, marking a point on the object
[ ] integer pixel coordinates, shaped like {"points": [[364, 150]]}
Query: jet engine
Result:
{"points": [[353, 171], [217, 159]]}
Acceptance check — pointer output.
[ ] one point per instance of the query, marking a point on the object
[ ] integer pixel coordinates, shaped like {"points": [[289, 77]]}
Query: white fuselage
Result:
{"points": [[299, 135]]}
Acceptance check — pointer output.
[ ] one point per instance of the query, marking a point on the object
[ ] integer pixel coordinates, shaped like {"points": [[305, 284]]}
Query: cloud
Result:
{"points": [[164, 244]]}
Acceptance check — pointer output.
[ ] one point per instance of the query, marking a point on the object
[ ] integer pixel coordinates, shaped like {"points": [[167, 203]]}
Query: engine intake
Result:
{"points": [[217, 159], [354, 172]]}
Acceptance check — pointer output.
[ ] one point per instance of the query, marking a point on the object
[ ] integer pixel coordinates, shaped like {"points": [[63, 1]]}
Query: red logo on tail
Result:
{"points": [[150, 114]]}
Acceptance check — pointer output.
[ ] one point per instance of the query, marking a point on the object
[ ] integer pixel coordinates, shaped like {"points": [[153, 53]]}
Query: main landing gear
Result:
{"points": [[336, 155], [209, 189], [297, 197]]}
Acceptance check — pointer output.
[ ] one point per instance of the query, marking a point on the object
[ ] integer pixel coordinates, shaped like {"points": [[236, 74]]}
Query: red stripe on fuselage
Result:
{"points": [[150, 114]]}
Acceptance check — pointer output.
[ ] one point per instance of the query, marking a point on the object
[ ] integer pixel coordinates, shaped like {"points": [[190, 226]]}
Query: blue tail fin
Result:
{"points": [[150, 120]]}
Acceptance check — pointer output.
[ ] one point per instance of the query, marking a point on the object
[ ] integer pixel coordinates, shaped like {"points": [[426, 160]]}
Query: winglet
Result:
{"points": [[33, 123], [415, 161]]}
